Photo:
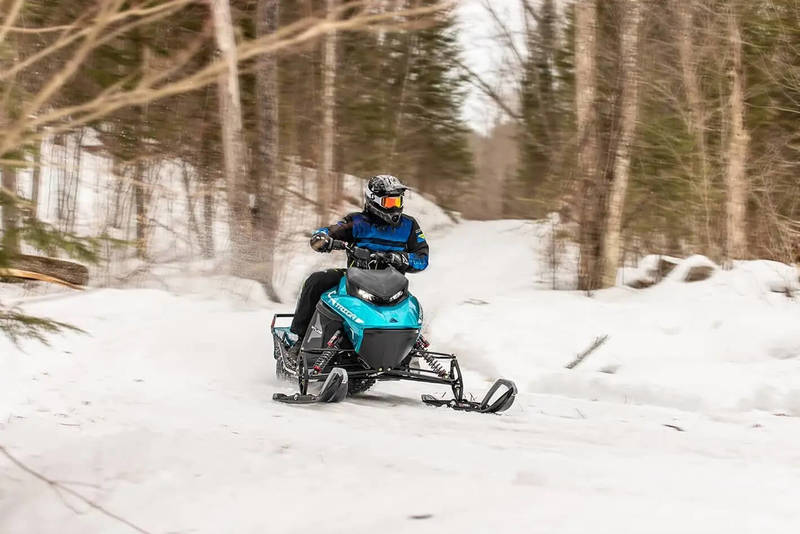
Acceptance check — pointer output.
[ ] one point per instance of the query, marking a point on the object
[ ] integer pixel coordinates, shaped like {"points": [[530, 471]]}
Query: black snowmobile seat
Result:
{"points": [[383, 283]]}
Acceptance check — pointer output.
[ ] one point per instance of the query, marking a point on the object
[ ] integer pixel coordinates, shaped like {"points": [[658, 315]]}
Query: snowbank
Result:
{"points": [[163, 415], [693, 269], [728, 343], [767, 275]]}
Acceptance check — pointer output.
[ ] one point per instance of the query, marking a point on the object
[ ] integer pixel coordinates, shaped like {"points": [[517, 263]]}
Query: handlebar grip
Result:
{"points": [[338, 245]]}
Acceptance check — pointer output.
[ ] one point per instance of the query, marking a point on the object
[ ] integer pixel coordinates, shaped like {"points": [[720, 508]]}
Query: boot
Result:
{"points": [[293, 353]]}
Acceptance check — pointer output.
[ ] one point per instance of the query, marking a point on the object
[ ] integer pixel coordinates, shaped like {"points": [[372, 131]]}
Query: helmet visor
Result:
{"points": [[392, 202]]}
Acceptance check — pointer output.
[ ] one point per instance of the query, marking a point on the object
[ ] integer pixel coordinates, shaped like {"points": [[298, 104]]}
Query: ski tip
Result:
{"points": [[499, 398]]}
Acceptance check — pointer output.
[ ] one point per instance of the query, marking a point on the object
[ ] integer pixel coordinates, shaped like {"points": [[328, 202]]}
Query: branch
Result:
{"points": [[10, 19], [43, 29], [294, 34], [59, 487], [480, 84], [528, 8], [147, 15], [73, 64], [582, 356], [506, 32]]}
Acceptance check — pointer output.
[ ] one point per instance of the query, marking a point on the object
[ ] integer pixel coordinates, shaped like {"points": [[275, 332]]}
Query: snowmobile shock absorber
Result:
{"points": [[421, 346], [334, 340], [325, 357], [435, 365]]}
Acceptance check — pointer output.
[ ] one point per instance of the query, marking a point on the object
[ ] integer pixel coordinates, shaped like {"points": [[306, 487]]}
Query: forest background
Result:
{"points": [[638, 127]]}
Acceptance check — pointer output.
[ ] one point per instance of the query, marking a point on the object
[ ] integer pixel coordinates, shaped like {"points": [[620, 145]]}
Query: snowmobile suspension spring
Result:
{"points": [[323, 360], [326, 355], [435, 365]]}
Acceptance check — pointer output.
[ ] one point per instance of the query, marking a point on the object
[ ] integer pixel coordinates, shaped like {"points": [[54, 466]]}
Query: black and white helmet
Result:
{"points": [[383, 198]]}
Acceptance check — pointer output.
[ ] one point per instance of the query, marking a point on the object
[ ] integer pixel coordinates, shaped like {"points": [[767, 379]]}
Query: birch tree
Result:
{"points": [[735, 175], [326, 179], [697, 116], [629, 97], [230, 108], [586, 134], [265, 175]]}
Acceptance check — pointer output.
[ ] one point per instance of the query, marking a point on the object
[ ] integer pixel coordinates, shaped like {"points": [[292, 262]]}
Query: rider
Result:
{"points": [[379, 227]]}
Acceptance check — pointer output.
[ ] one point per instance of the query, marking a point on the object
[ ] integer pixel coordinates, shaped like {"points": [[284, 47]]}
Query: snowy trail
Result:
{"points": [[164, 416]]}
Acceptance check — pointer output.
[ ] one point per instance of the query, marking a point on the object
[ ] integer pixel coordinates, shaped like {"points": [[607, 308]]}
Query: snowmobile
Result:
{"points": [[367, 329]]}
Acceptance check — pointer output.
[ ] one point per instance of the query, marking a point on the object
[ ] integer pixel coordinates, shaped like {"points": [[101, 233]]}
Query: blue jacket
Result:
{"points": [[366, 232]]}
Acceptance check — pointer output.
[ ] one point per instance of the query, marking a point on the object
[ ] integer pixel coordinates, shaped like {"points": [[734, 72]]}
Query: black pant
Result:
{"points": [[315, 285]]}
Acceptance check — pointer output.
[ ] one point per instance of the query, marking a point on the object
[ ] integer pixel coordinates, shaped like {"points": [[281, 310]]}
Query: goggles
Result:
{"points": [[392, 202]]}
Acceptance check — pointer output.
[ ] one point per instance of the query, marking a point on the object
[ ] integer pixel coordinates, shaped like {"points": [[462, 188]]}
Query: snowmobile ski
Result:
{"points": [[333, 390], [491, 403]]}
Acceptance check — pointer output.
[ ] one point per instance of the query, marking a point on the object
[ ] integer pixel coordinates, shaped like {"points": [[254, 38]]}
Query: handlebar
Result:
{"points": [[361, 257]]}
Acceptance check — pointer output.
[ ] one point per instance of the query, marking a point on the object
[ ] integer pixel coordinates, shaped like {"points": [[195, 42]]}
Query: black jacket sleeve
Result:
{"points": [[342, 230]]}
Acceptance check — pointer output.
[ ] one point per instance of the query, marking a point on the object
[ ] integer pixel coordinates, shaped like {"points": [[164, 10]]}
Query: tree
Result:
{"points": [[399, 96], [587, 142], [326, 179], [265, 164], [230, 108], [697, 116], [430, 138], [69, 72], [735, 176], [542, 124], [10, 241], [629, 105]]}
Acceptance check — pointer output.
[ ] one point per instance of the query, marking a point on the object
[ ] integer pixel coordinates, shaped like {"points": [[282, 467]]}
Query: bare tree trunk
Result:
{"points": [[265, 215], [36, 180], [629, 52], [400, 98], [192, 218], [140, 202], [587, 150], [208, 216], [207, 179], [232, 132], [75, 181], [697, 112], [326, 180], [735, 176], [10, 241]]}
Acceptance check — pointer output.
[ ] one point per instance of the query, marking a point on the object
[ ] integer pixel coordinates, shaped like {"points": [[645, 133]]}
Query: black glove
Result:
{"points": [[321, 242], [398, 260]]}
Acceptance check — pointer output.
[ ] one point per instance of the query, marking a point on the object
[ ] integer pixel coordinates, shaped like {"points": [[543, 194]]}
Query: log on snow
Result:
{"points": [[67, 271], [27, 275]]}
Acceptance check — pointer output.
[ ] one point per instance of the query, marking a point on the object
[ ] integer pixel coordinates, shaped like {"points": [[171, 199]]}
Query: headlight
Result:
{"points": [[396, 296], [363, 295]]}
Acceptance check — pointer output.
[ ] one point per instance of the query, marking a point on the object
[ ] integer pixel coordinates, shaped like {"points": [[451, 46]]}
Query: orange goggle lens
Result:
{"points": [[392, 202]]}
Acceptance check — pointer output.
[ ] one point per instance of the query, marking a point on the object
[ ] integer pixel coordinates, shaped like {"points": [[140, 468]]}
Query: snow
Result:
{"points": [[768, 275], [682, 271], [163, 415]]}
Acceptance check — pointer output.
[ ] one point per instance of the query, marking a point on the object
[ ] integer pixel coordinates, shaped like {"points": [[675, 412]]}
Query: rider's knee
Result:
{"points": [[317, 277]]}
